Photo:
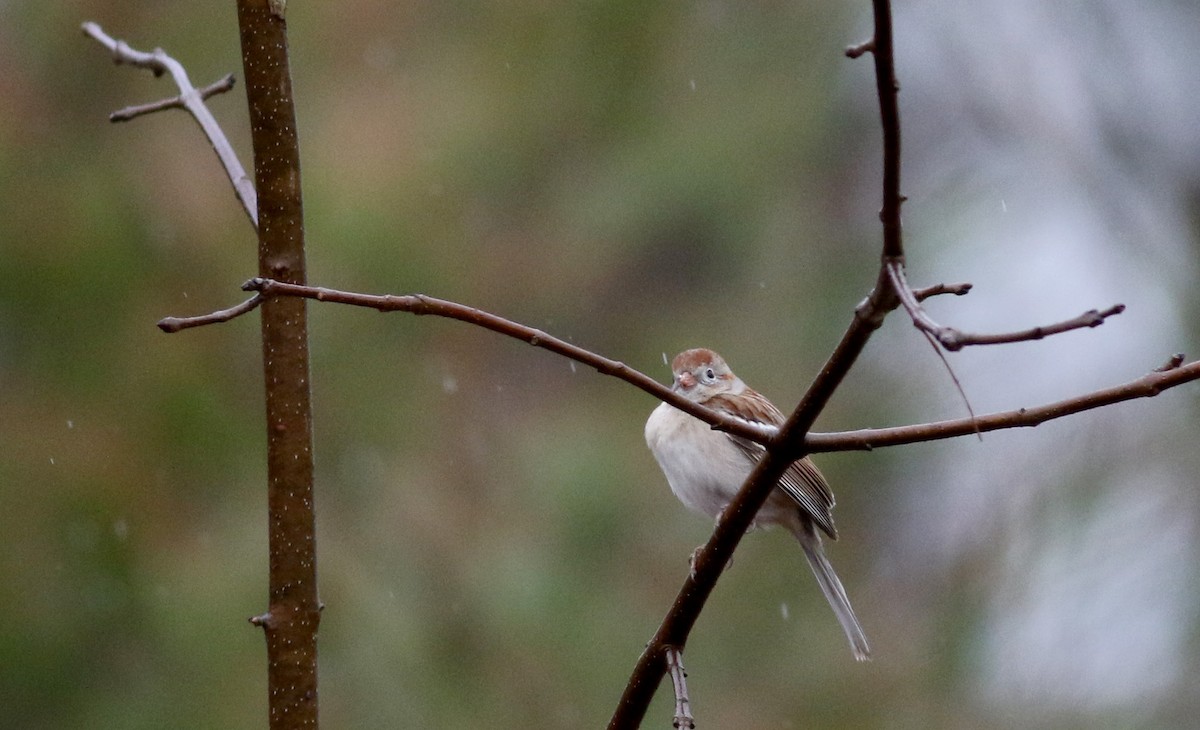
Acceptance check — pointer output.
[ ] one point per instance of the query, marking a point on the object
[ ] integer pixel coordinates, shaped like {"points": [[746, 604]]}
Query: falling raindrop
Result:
{"points": [[450, 384], [783, 611]]}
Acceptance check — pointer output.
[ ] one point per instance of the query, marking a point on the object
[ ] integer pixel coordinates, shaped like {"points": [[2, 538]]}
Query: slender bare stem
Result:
{"points": [[191, 99], [683, 709], [953, 339], [858, 49], [1147, 386], [421, 304], [957, 290], [887, 88], [219, 86], [175, 324], [1172, 362]]}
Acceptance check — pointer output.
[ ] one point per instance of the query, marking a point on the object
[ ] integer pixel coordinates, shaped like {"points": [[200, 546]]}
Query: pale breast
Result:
{"points": [[703, 467]]}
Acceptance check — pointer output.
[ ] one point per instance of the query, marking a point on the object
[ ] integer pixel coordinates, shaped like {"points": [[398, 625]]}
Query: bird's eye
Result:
{"points": [[710, 375]]}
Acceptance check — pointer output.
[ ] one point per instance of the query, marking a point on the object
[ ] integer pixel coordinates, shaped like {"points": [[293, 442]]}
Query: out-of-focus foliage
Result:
{"points": [[496, 542]]}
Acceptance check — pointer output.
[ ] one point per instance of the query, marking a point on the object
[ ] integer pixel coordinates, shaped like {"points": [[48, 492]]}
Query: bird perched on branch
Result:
{"points": [[706, 468]]}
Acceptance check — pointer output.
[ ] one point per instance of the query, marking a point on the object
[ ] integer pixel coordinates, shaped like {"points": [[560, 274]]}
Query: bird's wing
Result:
{"points": [[802, 481]]}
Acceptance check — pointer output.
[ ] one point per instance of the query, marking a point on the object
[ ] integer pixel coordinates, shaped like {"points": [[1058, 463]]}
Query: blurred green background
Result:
{"points": [[496, 543]]}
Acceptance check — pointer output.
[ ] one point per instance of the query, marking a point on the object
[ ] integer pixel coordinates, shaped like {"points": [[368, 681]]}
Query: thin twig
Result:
{"points": [[1147, 386], [191, 99], [421, 304], [1172, 362], [957, 290], [953, 339], [936, 290], [887, 88], [683, 708], [175, 102], [174, 324], [262, 619], [858, 49], [962, 392]]}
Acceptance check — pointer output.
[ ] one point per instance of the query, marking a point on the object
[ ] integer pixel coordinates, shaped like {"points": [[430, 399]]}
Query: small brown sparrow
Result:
{"points": [[706, 468]]}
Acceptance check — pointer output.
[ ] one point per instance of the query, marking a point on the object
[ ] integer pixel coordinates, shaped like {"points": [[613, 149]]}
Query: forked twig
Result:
{"points": [[189, 98], [175, 102], [953, 339], [683, 709]]}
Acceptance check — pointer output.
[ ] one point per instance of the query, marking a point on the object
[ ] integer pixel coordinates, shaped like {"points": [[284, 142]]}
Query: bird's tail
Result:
{"points": [[832, 588]]}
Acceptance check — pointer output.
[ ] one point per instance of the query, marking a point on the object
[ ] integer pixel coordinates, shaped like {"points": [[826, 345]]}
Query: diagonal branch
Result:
{"points": [[191, 99], [788, 445], [421, 304], [953, 339]]}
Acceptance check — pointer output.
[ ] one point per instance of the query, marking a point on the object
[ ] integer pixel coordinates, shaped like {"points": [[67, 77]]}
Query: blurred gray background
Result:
{"points": [[496, 541]]}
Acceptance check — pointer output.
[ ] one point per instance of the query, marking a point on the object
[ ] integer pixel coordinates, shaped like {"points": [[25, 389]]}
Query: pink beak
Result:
{"points": [[686, 380]]}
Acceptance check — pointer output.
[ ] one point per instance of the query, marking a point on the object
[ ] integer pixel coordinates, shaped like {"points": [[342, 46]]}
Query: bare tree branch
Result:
{"points": [[191, 99], [1147, 386], [788, 445], [132, 112], [1162, 378], [1172, 362], [953, 339], [957, 290], [683, 708], [174, 324], [887, 88], [858, 49], [421, 304], [293, 613]]}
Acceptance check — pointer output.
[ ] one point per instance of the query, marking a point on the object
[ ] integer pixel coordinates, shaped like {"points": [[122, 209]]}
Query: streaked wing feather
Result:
{"points": [[802, 481], [806, 484]]}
